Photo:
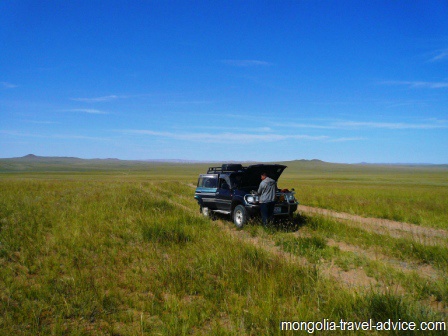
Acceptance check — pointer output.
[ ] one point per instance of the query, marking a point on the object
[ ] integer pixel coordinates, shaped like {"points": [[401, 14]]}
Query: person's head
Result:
{"points": [[263, 176]]}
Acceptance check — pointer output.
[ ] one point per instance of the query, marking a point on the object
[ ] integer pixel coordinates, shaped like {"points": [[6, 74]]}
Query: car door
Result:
{"points": [[206, 190], [224, 195]]}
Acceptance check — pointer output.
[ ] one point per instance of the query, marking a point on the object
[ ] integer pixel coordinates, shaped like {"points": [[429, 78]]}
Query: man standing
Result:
{"points": [[267, 191]]}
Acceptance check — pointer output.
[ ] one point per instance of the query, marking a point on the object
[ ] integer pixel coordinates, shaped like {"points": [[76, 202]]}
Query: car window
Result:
{"points": [[223, 184], [235, 180], [208, 182]]}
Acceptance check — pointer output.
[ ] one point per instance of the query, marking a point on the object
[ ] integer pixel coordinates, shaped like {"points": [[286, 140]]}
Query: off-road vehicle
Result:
{"points": [[231, 190]]}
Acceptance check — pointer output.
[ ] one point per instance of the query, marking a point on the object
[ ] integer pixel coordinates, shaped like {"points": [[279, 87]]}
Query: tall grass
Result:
{"points": [[418, 198], [401, 248], [119, 257]]}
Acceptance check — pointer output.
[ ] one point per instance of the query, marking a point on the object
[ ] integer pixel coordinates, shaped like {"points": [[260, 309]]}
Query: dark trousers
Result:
{"points": [[267, 212]]}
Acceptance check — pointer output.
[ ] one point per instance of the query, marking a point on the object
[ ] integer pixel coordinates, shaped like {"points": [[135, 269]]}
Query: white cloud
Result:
{"points": [[96, 99], [428, 124], [245, 63], [51, 136], [184, 102], [41, 122], [441, 55], [226, 137], [300, 125], [419, 84], [89, 111], [357, 124], [347, 139], [228, 128], [7, 85], [17, 133]]}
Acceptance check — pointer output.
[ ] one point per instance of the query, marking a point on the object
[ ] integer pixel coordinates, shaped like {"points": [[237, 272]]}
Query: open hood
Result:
{"points": [[251, 176]]}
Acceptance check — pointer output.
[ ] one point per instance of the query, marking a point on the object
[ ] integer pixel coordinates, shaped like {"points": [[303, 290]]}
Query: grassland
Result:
{"points": [[123, 251]]}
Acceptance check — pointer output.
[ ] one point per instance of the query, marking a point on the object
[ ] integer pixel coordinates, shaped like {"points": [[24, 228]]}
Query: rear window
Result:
{"points": [[208, 182]]}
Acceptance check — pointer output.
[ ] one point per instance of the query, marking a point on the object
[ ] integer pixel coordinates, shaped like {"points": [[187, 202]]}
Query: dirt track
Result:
{"points": [[383, 226], [379, 225], [355, 278]]}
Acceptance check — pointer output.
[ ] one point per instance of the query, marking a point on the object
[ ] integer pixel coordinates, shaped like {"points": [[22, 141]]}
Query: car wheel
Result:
{"points": [[240, 216]]}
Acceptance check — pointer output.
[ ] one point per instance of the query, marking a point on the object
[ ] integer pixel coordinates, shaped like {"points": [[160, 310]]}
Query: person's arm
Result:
{"points": [[260, 188]]}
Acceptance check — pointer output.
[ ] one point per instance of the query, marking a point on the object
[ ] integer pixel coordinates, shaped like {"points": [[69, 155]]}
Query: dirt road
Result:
{"points": [[383, 226]]}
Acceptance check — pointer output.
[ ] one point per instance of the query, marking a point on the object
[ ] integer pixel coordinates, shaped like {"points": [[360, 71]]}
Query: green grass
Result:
{"points": [[124, 257], [414, 194], [120, 249], [401, 248], [417, 195], [317, 251]]}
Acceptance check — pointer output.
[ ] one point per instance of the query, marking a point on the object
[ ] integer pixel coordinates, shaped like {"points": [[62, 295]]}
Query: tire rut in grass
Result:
{"points": [[426, 235], [354, 279], [385, 226]]}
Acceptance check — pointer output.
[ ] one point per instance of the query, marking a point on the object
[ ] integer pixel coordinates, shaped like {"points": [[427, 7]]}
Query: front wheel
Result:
{"points": [[240, 216]]}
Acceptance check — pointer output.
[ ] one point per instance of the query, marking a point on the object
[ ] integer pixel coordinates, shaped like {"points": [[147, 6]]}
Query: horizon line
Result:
{"points": [[192, 161]]}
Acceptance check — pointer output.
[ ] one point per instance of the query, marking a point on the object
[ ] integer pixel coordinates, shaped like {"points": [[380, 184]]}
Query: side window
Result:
{"points": [[235, 180], [211, 183], [223, 184], [200, 182], [207, 182]]}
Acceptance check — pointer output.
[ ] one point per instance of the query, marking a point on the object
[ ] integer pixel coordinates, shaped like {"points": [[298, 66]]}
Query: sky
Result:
{"points": [[340, 81]]}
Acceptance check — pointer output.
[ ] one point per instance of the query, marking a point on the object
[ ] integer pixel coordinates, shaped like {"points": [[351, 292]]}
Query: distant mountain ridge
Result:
{"points": [[36, 157], [70, 159]]}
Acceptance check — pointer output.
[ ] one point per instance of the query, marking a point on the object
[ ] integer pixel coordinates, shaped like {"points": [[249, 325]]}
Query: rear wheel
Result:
{"points": [[240, 216]]}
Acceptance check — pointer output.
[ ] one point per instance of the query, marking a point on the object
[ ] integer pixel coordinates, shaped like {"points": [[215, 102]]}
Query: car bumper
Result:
{"points": [[281, 209]]}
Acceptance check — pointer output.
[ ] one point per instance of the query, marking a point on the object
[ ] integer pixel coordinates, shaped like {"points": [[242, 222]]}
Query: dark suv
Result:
{"points": [[231, 190]]}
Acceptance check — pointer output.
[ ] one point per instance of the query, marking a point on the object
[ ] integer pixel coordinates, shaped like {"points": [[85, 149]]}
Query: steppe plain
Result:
{"points": [[109, 247]]}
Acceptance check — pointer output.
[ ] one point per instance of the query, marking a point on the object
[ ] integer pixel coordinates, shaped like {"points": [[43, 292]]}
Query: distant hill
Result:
{"points": [[34, 163], [32, 157]]}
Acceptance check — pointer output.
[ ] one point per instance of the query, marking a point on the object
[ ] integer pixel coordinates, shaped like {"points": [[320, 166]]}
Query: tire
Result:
{"points": [[240, 216]]}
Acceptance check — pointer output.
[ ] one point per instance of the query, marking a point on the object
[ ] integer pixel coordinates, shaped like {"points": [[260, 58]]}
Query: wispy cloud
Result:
{"points": [[418, 84], [44, 122], [245, 63], [357, 124], [441, 55], [6, 85], [97, 99], [301, 125], [111, 97], [18, 133], [227, 128], [341, 125], [183, 102], [89, 111], [52, 136], [226, 137], [347, 139]]}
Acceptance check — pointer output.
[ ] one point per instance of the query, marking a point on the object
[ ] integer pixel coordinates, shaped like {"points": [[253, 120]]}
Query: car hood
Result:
{"points": [[251, 176]]}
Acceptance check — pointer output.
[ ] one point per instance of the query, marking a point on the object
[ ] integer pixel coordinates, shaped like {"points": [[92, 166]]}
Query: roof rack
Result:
{"points": [[226, 168]]}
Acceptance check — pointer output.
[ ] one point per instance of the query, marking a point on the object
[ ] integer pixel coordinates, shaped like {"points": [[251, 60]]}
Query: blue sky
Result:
{"points": [[340, 81]]}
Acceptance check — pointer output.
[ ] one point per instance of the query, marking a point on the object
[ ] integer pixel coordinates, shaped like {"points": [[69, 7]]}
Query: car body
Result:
{"points": [[231, 190]]}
